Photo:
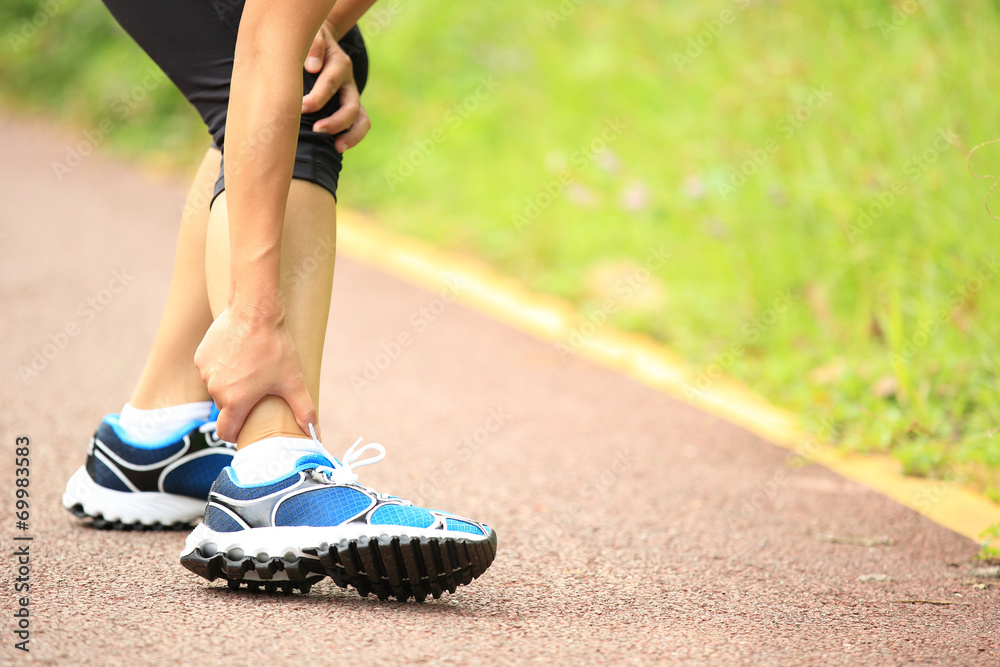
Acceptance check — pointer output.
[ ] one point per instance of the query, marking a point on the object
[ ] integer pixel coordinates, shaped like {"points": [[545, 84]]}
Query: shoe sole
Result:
{"points": [[124, 510], [401, 567]]}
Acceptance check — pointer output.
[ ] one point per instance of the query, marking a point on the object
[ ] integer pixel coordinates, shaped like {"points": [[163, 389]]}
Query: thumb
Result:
{"points": [[314, 61], [229, 423], [301, 403]]}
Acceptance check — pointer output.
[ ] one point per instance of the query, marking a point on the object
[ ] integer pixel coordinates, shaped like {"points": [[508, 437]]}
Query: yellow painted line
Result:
{"points": [[552, 320]]}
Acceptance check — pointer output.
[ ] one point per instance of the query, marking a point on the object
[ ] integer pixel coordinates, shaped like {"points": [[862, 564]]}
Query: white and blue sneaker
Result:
{"points": [[164, 485], [316, 520]]}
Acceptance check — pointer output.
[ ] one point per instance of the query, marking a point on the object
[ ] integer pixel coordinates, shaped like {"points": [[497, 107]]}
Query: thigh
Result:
{"points": [[193, 42]]}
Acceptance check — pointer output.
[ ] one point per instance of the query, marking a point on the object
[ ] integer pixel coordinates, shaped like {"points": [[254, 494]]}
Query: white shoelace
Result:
{"points": [[342, 470]]}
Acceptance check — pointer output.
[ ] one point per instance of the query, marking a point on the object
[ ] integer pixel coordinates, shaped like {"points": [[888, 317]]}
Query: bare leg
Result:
{"points": [[170, 376], [307, 259]]}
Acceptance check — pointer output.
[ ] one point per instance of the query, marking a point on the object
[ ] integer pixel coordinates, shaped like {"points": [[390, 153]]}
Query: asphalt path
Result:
{"points": [[633, 529]]}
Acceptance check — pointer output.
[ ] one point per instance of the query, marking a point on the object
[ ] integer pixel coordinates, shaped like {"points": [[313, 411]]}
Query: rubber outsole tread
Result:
{"points": [[414, 568], [219, 566], [404, 569], [98, 521], [388, 568]]}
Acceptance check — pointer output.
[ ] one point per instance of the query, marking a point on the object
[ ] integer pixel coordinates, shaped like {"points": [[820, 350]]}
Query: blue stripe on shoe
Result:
{"points": [[462, 526], [174, 439], [312, 461], [129, 453], [401, 515]]}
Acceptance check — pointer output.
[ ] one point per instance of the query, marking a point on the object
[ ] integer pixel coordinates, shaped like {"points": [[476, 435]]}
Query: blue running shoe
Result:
{"points": [[124, 486], [318, 521]]}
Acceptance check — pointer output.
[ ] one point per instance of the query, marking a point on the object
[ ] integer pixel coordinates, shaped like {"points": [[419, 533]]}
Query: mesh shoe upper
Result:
{"points": [[309, 497], [183, 464]]}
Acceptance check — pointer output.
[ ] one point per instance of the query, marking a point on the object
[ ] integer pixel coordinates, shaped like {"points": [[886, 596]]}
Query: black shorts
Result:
{"points": [[193, 42]]}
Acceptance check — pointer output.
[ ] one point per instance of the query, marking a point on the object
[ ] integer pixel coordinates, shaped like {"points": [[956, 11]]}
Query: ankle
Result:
{"points": [[270, 418], [250, 436]]}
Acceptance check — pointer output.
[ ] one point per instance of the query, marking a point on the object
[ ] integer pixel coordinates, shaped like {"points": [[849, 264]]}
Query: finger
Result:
{"points": [[301, 403], [199, 353], [230, 422], [314, 61], [201, 363], [346, 115], [326, 86], [336, 72], [354, 134]]}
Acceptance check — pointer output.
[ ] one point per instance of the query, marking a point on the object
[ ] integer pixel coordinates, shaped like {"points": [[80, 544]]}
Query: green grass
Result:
{"points": [[805, 153]]}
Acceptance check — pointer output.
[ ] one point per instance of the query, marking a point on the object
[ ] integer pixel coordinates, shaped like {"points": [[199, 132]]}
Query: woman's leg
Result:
{"points": [[170, 376], [286, 513], [307, 258], [135, 474]]}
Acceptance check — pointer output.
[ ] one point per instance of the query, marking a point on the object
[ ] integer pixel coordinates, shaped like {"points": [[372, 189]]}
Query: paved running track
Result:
{"points": [[633, 529]]}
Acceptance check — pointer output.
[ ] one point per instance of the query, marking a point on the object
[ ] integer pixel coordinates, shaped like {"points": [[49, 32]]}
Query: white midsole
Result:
{"points": [[146, 507], [279, 541]]}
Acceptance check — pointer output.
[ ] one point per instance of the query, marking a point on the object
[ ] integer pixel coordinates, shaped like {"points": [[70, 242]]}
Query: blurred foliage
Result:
{"points": [[70, 61], [803, 166]]}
